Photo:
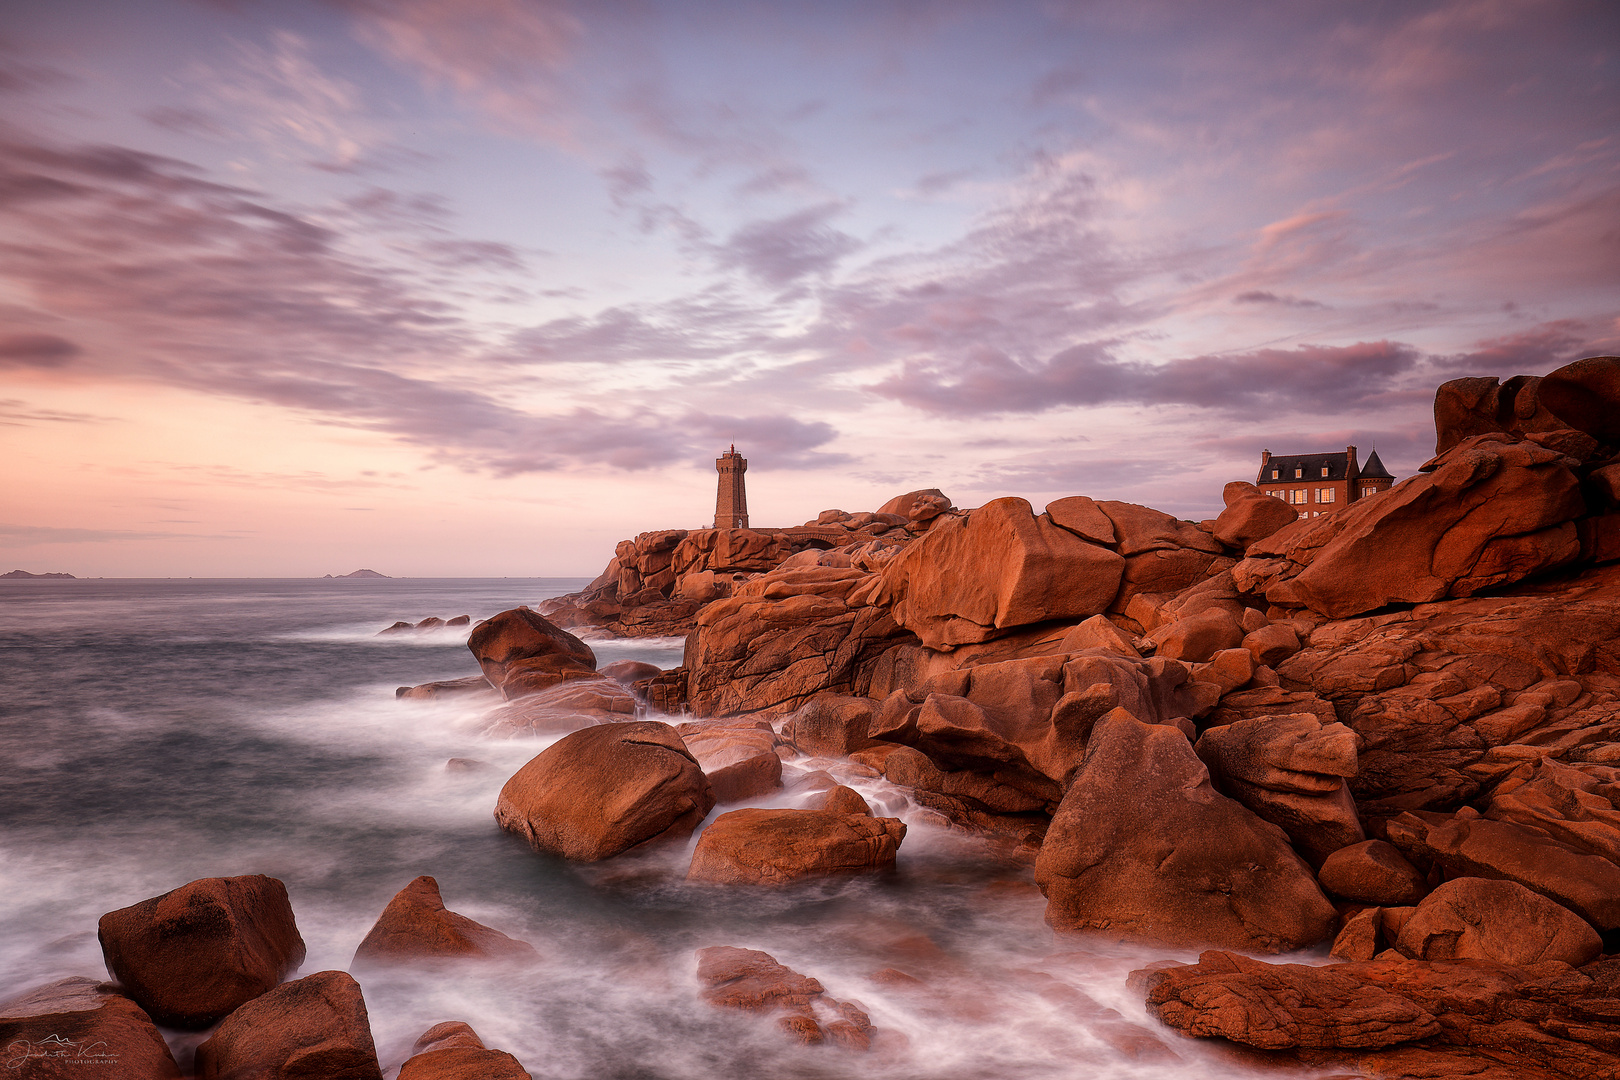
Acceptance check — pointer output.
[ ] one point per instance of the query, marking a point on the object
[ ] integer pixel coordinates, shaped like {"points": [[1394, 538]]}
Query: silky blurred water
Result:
{"points": [[160, 731]]}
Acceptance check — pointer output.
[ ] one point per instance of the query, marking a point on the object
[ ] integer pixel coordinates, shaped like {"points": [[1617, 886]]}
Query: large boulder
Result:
{"points": [[191, 956], [1491, 512], [1250, 516], [604, 790], [775, 847], [997, 568], [1372, 872], [453, 1051], [1583, 396], [1291, 771], [1142, 847], [920, 506], [1479, 919], [66, 1028], [739, 757], [314, 1027], [522, 652], [417, 926]]}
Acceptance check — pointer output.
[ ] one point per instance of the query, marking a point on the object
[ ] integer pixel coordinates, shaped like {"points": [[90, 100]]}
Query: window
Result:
{"points": [[1274, 473], [1298, 472], [1324, 470], [1324, 495], [1299, 495], [1365, 491]]}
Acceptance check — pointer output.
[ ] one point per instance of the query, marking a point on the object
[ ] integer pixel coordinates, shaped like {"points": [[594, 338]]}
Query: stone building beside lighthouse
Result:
{"points": [[1316, 484], [731, 502]]}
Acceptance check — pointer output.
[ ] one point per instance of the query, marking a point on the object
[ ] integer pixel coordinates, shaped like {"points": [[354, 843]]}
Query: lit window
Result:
{"points": [[1274, 474], [1298, 472], [1300, 495], [1324, 495], [1324, 470], [1368, 491]]}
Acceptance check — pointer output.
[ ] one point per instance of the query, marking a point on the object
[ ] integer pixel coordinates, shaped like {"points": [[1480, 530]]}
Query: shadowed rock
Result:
{"points": [[416, 926], [314, 1027], [68, 1027]]}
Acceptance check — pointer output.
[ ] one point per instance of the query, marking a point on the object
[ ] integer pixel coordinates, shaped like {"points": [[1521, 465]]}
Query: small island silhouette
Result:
{"points": [[357, 573], [26, 574]]}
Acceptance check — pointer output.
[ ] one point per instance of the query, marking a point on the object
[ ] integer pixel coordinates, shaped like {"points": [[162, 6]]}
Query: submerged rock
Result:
{"points": [[753, 981], [453, 1051], [604, 790], [416, 926], [314, 1027], [191, 956]]}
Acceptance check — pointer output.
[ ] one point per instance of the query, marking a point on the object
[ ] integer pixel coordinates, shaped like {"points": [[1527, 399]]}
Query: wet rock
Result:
{"points": [[193, 955], [1479, 919], [1587, 884], [1492, 512], [1250, 516], [522, 652], [69, 1027], [629, 672], [830, 725], [1291, 771], [453, 1051], [840, 799], [599, 792], [1142, 847], [996, 568], [739, 757], [1372, 872], [776, 847], [753, 981], [316, 1026], [416, 926]]}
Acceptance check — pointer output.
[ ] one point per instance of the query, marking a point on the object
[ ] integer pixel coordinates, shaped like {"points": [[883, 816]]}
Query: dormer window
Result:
{"points": [[1274, 473], [1324, 470], [1298, 472]]}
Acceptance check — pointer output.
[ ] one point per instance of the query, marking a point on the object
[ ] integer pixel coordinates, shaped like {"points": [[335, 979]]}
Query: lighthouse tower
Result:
{"points": [[731, 503]]}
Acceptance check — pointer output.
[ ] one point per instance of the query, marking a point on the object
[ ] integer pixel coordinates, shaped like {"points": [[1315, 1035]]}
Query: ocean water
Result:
{"points": [[159, 731]]}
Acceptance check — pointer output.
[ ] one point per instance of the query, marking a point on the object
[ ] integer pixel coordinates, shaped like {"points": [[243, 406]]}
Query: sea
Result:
{"points": [[159, 731]]}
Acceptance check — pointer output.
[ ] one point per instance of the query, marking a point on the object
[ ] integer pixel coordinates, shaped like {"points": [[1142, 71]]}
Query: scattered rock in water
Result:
{"points": [[1143, 848], [840, 799], [739, 757], [566, 707], [466, 765], [521, 652], [777, 847], [315, 1026], [601, 791], [471, 684], [453, 1051], [416, 926], [66, 1028], [753, 981], [1479, 919], [191, 956]]}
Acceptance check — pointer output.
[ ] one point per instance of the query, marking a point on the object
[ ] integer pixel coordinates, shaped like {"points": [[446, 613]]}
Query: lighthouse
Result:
{"points": [[731, 502]]}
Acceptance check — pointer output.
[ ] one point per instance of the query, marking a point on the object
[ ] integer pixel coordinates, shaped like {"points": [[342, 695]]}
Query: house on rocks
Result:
{"points": [[1317, 484]]}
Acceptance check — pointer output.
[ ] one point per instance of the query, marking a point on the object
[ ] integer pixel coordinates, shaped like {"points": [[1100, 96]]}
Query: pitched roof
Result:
{"points": [[1375, 468], [1309, 464]]}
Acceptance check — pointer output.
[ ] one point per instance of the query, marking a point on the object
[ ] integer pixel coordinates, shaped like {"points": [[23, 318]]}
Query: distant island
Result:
{"points": [[26, 574], [357, 573]]}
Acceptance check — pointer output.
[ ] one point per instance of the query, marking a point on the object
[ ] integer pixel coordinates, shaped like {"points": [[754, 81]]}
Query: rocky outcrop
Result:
{"points": [[1291, 771], [563, 708], [1491, 511], [996, 568], [453, 1051], [785, 637], [416, 926], [1583, 396], [191, 956], [753, 981], [1250, 516], [316, 1026], [1401, 1017], [1479, 919], [1142, 847], [521, 652], [776, 847], [604, 790], [67, 1028]]}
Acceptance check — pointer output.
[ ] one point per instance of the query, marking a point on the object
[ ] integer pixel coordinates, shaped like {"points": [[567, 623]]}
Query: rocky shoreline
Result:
{"points": [[1392, 731]]}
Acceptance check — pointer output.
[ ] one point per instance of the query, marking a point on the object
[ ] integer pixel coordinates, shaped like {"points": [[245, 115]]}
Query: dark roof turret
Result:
{"points": [[1374, 469]]}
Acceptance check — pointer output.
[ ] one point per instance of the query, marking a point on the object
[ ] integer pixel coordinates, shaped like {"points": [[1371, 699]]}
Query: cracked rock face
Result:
{"points": [[606, 789]]}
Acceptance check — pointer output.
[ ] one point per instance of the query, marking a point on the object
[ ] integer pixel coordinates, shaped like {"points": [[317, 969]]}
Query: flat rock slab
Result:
{"points": [[774, 847]]}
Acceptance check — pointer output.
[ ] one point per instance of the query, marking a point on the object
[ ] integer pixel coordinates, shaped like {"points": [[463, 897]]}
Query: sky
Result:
{"points": [[480, 287]]}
